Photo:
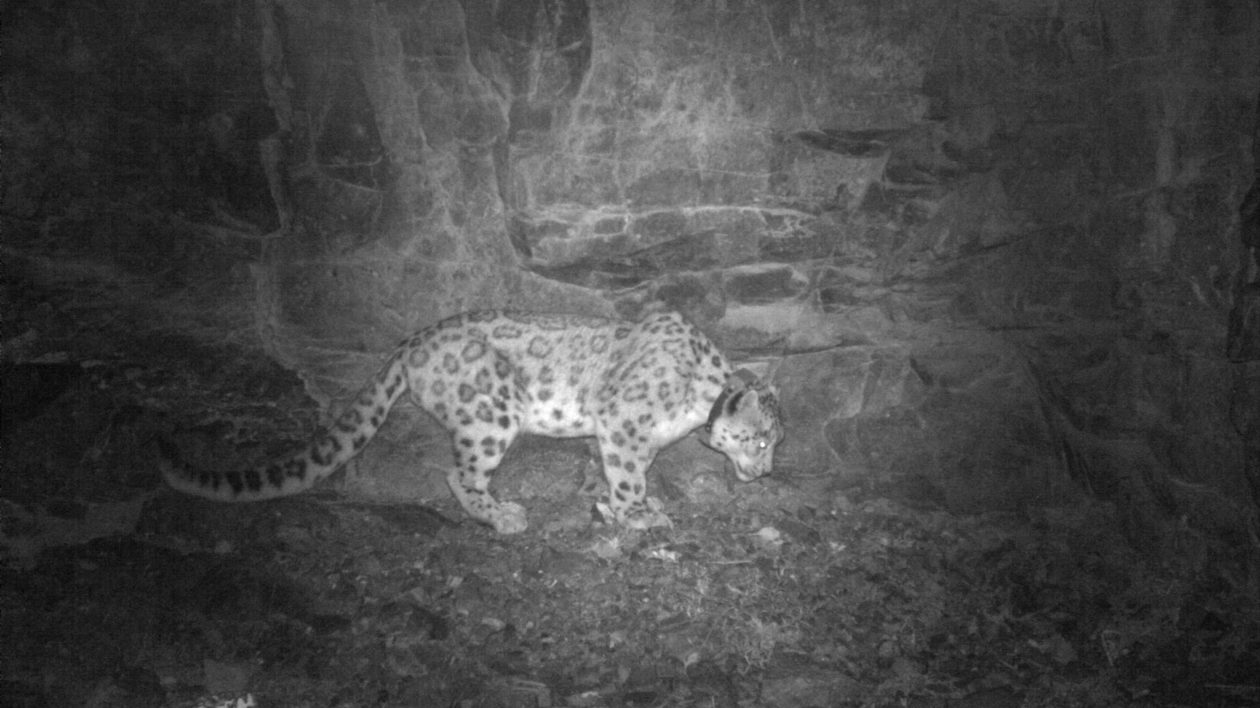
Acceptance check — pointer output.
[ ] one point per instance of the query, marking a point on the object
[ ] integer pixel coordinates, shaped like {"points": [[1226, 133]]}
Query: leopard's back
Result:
{"points": [[541, 365], [570, 374]]}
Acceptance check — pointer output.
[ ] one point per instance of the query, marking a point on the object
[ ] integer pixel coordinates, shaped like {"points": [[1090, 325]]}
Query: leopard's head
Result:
{"points": [[744, 425]]}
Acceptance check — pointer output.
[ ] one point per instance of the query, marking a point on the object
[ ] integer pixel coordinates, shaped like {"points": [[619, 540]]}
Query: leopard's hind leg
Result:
{"points": [[473, 391], [477, 455], [484, 414]]}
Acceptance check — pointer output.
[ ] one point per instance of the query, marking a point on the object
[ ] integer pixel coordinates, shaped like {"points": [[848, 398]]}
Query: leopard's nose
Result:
{"points": [[749, 471]]}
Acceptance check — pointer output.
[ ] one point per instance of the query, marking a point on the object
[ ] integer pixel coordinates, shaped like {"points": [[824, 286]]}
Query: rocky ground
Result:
{"points": [[118, 592]]}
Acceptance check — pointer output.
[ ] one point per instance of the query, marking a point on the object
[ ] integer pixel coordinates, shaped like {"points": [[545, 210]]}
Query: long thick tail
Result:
{"points": [[328, 450]]}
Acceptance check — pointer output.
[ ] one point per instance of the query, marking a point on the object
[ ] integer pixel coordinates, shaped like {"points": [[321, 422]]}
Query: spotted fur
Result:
{"points": [[489, 376]]}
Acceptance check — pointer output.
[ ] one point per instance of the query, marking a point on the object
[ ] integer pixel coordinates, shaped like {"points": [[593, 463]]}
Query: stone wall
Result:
{"points": [[988, 251], [989, 266]]}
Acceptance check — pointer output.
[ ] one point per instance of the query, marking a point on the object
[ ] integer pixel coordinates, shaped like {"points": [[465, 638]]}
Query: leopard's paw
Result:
{"points": [[509, 518], [647, 520], [646, 515]]}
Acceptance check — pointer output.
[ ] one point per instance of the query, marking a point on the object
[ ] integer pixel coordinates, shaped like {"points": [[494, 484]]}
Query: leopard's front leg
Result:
{"points": [[628, 502]]}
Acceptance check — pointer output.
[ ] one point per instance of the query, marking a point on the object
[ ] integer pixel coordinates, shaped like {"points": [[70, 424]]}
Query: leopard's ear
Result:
{"points": [[746, 380], [735, 395], [741, 379], [751, 401]]}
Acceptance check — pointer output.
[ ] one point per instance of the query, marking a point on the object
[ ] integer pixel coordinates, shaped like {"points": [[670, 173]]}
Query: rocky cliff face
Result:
{"points": [[989, 254]]}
